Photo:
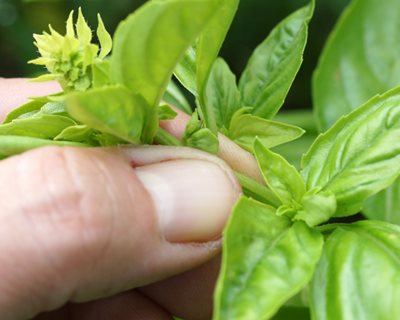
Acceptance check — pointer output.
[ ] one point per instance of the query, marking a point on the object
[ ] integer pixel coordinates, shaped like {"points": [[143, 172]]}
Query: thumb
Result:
{"points": [[79, 224]]}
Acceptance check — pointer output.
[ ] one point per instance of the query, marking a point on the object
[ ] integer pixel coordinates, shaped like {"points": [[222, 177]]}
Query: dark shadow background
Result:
{"points": [[254, 20]]}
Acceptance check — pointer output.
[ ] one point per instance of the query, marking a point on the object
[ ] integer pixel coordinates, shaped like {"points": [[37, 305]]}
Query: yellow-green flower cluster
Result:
{"points": [[69, 58]]}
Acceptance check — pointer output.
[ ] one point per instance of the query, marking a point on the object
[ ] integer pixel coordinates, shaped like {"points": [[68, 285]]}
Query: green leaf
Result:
{"points": [[221, 93], [196, 136], [101, 73], [245, 128], [12, 145], [165, 112], [274, 64], [185, 70], [283, 179], [175, 97], [77, 133], [266, 260], [385, 205], [28, 108], [358, 275], [113, 110], [317, 207], [104, 38], [207, 48], [359, 155], [359, 60], [44, 126], [292, 313], [151, 41]]}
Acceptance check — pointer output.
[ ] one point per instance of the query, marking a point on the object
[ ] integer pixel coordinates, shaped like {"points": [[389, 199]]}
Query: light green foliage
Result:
{"points": [[199, 137], [360, 60], [266, 261], [221, 93], [385, 205], [359, 155], [11, 145], [175, 97], [245, 128], [150, 42], [165, 112], [358, 275], [207, 48], [113, 110], [274, 64], [186, 70], [282, 177]]}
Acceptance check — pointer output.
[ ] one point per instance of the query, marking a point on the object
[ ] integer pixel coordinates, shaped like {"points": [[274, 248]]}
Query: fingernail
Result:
{"points": [[192, 198]]}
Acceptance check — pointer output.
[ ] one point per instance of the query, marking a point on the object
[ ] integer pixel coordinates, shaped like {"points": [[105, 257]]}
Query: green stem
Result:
{"points": [[165, 138], [257, 191]]}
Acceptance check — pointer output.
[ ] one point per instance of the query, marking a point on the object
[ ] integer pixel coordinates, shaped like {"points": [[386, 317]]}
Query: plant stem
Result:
{"points": [[165, 138]]}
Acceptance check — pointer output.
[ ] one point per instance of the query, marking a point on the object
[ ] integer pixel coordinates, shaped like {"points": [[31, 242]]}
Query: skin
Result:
{"points": [[91, 233]]}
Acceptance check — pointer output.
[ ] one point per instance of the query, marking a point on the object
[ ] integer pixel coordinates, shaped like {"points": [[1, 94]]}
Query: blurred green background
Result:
{"points": [[19, 19]]}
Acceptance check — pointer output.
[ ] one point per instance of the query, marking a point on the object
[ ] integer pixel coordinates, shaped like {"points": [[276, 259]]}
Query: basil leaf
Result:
{"points": [[359, 60], [385, 205], [175, 97], [358, 274], [28, 108], [221, 93], [196, 136], [12, 145], [265, 262], [43, 126], [101, 73], [207, 48], [113, 110], [244, 129], [151, 41], [283, 179], [165, 112], [274, 64], [78, 133], [360, 153], [185, 71]]}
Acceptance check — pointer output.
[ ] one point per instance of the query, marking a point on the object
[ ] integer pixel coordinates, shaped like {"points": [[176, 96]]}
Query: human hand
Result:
{"points": [[82, 229]]}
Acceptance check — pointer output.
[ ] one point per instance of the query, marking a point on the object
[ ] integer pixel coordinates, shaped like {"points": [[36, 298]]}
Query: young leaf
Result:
{"points": [[221, 93], [360, 153], [12, 145], [151, 41], [359, 60], [175, 97], [196, 136], [104, 38], [244, 129], [274, 64], [113, 110], [207, 48], [77, 133], [185, 71], [30, 107], [43, 126], [385, 205], [265, 261], [358, 274], [101, 73], [165, 112], [283, 179]]}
